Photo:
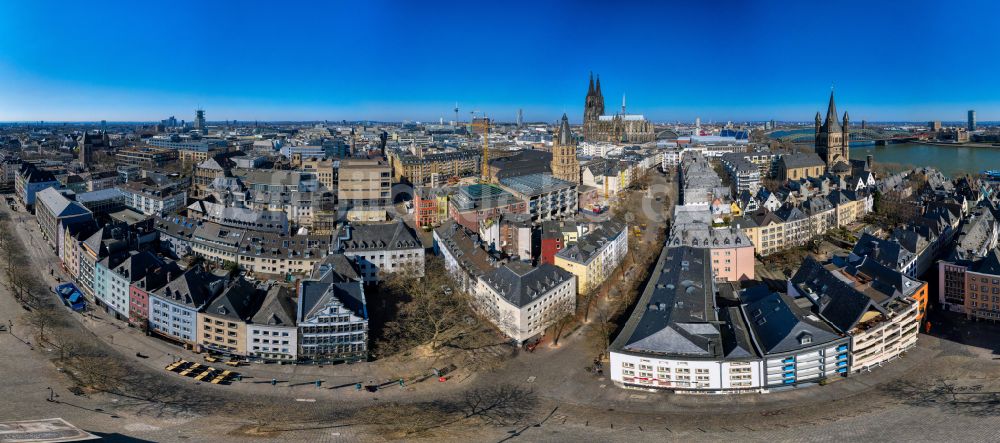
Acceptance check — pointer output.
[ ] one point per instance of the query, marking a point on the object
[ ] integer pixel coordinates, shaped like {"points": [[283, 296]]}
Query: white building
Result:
{"points": [[379, 248], [272, 333], [523, 300]]}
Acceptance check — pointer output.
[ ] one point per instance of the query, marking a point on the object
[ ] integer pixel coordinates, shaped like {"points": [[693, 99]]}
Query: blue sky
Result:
{"points": [[721, 60]]}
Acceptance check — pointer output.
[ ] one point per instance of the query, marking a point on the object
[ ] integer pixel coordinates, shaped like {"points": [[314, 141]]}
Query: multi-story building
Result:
{"points": [[678, 338], [364, 186], [222, 324], [796, 346], [325, 171], [29, 181], [463, 254], [54, 212], [138, 296], [216, 243], [149, 198], [545, 196], [114, 276], [880, 311], [146, 157], [968, 275], [332, 314], [744, 173], [272, 333], [265, 254], [418, 170], [380, 248], [523, 300], [262, 220], [472, 204], [101, 180], [595, 255], [174, 307], [430, 206], [103, 202]]}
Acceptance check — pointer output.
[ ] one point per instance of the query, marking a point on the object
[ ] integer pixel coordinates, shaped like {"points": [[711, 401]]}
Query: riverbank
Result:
{"points": [[956, 145], [952, 159]]}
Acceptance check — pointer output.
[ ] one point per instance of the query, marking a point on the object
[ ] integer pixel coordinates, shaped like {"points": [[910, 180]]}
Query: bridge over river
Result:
{"points": [[859, 136]]}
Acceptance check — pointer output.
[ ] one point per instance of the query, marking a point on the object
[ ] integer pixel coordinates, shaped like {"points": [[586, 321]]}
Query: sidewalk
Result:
{"points": [[293, 379]]}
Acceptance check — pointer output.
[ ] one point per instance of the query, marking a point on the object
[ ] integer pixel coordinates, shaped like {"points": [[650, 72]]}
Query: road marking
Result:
{"points": [[603, 386], [531, 379], [309, 400], [638, 396]]}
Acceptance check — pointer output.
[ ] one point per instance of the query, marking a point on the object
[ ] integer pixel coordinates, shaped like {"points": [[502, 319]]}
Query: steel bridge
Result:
{"points": [[858, 136]]}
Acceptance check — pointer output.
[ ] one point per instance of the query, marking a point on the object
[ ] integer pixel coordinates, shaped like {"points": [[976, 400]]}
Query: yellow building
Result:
{"points": [[222, 326], [595, 255]]}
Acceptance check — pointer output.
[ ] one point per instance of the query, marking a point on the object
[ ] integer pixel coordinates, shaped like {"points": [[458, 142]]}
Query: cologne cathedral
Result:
{"points": [[617, 128]]}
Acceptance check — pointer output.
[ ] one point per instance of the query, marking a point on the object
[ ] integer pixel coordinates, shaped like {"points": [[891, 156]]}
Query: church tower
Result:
{"points": [[564, 164], [593, 108], [832, 140]]}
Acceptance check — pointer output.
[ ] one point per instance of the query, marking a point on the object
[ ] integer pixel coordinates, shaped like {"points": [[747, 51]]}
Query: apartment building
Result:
{"points": [[380, 248], [595, 255], [222, 324], [174, 307], [149, 198], [419, 170], [546, 197], [54, 212], [272, 333], [523, 300], [363, 185]]}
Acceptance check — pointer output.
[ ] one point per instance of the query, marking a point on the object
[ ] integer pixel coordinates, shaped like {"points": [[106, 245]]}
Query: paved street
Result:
{"points": [[940, 389]]}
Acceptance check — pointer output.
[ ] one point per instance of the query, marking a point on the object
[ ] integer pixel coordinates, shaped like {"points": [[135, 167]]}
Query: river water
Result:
{"points": [[952, 161]]}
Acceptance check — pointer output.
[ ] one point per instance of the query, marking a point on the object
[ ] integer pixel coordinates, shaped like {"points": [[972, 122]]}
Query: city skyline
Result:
{"points": [[395, 62]]}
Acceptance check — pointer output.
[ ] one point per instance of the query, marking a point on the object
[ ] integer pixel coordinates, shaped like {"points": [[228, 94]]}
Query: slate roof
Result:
{"points": [[277, 309], [238, 302], [193, 288], [132, 267], [333, 284], [834, 299], [779, 325], [888, 252], [521, 284], [989, 265], [592, 242], [59, 204], [802, 160], [676, 312], [379, 236]]}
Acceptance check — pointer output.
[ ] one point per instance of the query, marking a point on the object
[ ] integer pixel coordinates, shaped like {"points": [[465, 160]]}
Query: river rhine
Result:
{"points": [[952, 161]]}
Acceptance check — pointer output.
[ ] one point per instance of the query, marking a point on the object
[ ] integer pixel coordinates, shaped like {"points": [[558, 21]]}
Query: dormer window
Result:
{"points": [[805, 339]]}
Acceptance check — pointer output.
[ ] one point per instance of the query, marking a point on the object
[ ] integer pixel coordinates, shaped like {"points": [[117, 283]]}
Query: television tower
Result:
{"points": [[456, 113]]}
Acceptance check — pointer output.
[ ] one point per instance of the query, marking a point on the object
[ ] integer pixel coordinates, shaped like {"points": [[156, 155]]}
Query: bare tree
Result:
{"points": [[67, 342], [430, 309], [42, 319], [599, 333], [558, 315]]}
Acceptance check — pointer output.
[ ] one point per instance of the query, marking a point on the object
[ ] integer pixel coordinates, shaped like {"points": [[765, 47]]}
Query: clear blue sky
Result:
{"points": [[721, 60]]}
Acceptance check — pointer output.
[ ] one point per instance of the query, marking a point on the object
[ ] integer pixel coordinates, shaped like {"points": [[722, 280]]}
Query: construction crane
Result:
{"points": [[483, 125]]}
